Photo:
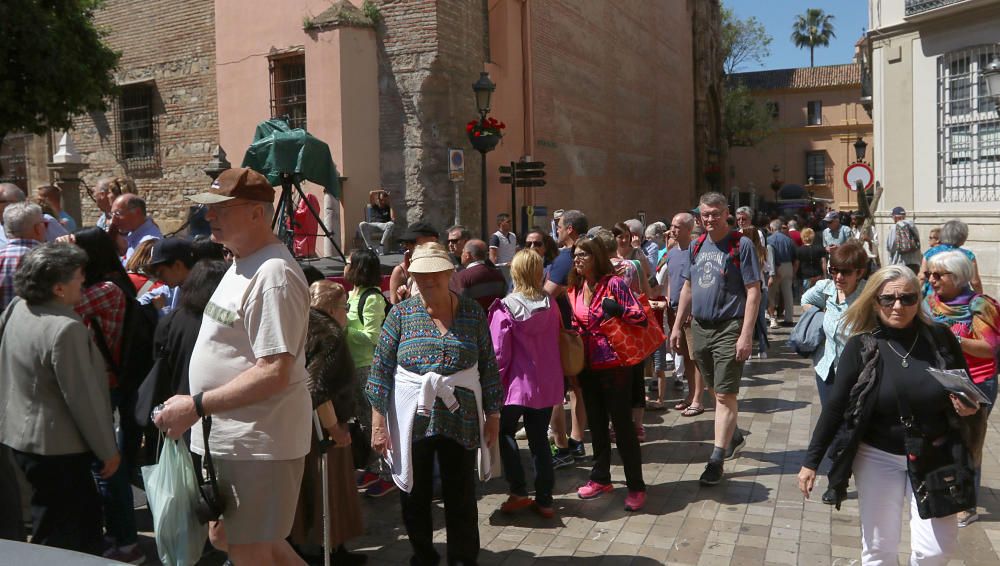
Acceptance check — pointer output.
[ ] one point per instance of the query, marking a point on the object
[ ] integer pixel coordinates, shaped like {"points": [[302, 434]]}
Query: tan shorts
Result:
{"points": [[260, 496], [687, 338]]}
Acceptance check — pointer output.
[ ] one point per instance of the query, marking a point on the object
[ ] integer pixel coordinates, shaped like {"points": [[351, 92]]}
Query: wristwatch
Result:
{"points": [[198, 408]]}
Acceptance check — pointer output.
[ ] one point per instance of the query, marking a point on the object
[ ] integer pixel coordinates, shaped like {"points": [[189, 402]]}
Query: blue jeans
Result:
{"points": [[760, 328], [824, 387], [116, 491], [536, 425]]}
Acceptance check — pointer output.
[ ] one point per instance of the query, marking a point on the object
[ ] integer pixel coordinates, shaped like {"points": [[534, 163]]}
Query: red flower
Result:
{"points": [[502, 125], [476, 134], [468, 127]]}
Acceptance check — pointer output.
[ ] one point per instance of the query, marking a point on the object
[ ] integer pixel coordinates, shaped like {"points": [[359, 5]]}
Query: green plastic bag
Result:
{"points": [[172, 492]]}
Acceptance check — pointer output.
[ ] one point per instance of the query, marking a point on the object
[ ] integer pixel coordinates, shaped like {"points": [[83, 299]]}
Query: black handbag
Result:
{"points": [[941, 471]]}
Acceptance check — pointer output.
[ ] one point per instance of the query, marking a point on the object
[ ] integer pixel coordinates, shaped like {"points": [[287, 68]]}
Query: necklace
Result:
{"points": [[903, 363]]}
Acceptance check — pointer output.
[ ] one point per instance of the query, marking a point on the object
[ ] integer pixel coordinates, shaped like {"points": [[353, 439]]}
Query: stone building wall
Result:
{"points": [[430, 53], [710, 147], [172, 44]]}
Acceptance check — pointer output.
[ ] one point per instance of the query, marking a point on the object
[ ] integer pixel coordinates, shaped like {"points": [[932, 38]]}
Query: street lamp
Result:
{"points": [[860, 147], [776, 183], [991, 77], [483, 89]]}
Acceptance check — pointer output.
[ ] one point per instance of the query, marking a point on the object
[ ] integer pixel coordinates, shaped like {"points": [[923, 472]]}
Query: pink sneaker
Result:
{"points": [[635, 500], [592, 490]]}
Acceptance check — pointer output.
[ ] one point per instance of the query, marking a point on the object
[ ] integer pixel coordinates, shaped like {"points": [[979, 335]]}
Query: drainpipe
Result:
{"points": [[526, 81]]}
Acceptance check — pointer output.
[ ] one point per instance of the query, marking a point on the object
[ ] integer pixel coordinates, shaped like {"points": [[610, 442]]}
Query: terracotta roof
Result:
{"points": [[805, 77]]}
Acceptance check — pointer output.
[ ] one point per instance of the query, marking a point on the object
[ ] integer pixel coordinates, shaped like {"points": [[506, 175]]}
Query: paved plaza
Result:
{"points": [[755, 517]]}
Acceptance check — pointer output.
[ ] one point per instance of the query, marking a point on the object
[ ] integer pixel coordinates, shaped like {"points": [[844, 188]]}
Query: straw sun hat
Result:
{"points": [[430, 258]]}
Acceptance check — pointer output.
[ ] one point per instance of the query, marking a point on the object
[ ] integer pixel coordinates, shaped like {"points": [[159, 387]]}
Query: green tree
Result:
{"points": [[743, 41], [55, 64], [746, 121], [812, 29]]}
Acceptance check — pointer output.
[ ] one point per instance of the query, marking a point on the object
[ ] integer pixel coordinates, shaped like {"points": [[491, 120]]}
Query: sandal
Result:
{"points": [[693, 411], [682, 405], [655, 405]]}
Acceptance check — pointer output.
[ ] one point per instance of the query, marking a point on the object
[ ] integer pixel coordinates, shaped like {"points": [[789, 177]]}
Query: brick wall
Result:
{"points": [[172, 44]]}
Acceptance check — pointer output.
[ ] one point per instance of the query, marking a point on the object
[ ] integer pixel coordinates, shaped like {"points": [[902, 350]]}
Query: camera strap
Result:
{"points": [[206, 430]]}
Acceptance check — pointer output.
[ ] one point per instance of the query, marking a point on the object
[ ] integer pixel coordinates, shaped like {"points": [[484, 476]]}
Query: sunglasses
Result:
{"points": [[936, 274], [834, 271], [455, 241], [534, 244], [906, 299]]}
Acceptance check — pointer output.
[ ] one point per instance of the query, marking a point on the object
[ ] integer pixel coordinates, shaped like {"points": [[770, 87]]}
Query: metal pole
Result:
{"points": [[482, 197]]}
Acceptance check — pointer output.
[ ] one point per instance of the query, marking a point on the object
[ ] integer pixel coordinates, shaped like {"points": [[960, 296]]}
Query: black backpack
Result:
{"points": [[137, 344], [364, 297]]}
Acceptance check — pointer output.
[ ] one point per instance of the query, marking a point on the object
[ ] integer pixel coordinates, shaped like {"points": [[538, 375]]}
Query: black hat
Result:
{"points": [[170, 250], [418, 229]]}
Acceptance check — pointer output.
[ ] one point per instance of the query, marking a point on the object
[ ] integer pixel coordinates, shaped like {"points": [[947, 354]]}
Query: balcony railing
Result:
{"points": [[914, 7]]}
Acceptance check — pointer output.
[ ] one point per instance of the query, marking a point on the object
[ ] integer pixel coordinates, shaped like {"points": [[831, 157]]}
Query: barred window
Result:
{"points": [[288, 89], [816, 167], [14, 159], [968, 127], [137, 131], [815, 113]]}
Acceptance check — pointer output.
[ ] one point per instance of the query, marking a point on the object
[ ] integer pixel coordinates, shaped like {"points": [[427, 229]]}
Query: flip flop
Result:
{"points": [[655, 405], [682, 405], [692, 411]]}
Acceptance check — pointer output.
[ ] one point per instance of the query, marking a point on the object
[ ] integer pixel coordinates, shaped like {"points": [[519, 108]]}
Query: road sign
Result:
{"points": [[530, 183], [456, 165], [525, 165], [859, 172], [530, 174], [505, 170], [506, 180]]}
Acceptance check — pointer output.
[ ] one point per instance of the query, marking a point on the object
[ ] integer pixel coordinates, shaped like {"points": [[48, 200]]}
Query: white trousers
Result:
{"points": [[883, 489]]}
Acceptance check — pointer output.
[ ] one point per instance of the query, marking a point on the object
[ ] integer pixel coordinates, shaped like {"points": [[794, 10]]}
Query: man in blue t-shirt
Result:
{"points": [[678, 261], [569, 228], [786, 263], [722, 293]]}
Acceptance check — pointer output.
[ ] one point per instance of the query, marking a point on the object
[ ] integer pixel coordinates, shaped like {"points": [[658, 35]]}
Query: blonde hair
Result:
{"points": [[324, 294], [526, 270], [808, 236], [117, 186], [862, 316]]}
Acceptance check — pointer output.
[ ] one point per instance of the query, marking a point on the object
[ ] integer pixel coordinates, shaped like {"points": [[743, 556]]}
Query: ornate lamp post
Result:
{"points": [[776, 183], [992, 78], [483, 89], [860, 148]]}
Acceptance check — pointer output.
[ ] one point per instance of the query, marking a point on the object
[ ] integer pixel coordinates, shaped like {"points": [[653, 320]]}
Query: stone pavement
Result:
{"points": [[756, 516]]}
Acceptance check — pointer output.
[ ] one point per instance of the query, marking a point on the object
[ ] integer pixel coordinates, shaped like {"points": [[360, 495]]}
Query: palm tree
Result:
{"points": [[814, 28]]}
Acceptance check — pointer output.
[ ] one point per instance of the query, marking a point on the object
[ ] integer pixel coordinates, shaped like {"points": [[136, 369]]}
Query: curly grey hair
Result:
{"points": [[20, 217], [44, 267]]}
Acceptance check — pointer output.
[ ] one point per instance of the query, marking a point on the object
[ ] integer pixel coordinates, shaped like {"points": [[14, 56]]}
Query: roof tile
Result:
{"points": [[805, 77]]}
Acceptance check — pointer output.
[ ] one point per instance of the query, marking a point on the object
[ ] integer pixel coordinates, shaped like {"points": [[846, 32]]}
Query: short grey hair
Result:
{"points": [[11, 192], [956, 262], [634, 226], [477, 249], [685, 218], [20, 217], [577, 220], [715, 199], [745, 210], [954, 233], [655, 229], [44, 267], [793, 225], [775, 225]]}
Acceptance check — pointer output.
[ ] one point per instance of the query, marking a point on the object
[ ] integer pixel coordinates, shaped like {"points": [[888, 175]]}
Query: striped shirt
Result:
{"points": [[10, 258], [411, 339]]}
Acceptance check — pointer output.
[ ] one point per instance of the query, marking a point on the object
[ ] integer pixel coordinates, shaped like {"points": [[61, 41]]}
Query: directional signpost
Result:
{"points": [[521, 174]]}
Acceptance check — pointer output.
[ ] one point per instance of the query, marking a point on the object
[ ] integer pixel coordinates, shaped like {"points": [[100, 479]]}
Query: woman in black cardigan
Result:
{"points": [[892, 344]]}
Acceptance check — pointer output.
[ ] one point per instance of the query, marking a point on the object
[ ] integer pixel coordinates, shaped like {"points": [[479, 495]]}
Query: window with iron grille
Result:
{"points": [[288, 89], [968, 128], [772, 108], [137, 132], [14, 160], [816, 167], [815, 113]]}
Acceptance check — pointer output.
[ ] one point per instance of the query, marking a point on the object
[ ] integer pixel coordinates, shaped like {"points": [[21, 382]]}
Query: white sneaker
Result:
{"points": [[774, 324], [521, 434]]}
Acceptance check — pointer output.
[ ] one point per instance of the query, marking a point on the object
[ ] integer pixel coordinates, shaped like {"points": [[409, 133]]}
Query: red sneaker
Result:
{"points": [[543, 512], [366, 479], [592, 490], [515, 503], [635, 500]]}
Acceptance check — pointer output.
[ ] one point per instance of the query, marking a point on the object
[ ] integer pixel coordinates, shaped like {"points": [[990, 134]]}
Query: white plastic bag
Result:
{"points": [[172, 492]]}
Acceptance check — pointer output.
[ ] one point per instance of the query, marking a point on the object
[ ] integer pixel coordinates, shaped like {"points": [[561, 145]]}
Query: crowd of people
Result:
{"points": [[427, 383]]}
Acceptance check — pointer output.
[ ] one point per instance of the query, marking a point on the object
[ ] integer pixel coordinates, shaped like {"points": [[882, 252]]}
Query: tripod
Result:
{"points": [[284, 215]]}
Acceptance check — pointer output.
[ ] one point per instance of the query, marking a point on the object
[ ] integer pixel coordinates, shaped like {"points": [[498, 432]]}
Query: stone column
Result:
{"points": [[67, 164]]}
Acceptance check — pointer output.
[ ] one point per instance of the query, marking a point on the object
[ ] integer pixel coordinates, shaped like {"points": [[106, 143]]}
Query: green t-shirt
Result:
{"points": [[362, 338]]}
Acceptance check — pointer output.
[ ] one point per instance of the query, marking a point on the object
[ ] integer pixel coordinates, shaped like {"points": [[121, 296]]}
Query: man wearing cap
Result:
{"points": [[835, 234], [898, 252], [129, 218], [401, 284], [248, 372], [171, 263]]}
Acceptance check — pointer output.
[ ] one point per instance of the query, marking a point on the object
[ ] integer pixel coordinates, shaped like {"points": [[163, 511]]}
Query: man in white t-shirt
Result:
{"points": [[503, 242], [248, 373]]}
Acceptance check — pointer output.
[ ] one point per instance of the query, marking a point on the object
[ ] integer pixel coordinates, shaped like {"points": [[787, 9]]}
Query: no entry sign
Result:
{"points": [[859, 172]]}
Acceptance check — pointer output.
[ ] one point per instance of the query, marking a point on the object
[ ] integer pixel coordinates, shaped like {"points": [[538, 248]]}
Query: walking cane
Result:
{"points": [[324, 443]]}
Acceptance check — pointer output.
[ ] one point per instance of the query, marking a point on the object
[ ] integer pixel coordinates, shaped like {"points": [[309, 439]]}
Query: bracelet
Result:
{"points": [[198, 407]]}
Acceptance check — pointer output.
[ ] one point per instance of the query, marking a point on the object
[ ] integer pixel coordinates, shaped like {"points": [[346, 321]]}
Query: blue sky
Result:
{"points": [[850, 20]]}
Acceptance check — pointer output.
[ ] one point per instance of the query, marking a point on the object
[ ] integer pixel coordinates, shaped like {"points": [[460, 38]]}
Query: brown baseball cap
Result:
{"points": [[244, 183]]}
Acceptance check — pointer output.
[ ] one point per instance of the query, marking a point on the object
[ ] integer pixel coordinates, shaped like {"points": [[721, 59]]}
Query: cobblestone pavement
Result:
{"points": [[756, 516]]}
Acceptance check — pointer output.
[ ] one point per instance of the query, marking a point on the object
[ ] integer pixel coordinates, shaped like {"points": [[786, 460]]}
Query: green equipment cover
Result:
{"points": [[278, 149]]}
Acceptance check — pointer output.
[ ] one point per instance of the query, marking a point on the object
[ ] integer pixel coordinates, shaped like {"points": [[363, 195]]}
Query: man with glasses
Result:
{"points": [[11, 193], [722, 292], [128, 218], [24, 224], [248, 373], [458, 236], [786, 263]]}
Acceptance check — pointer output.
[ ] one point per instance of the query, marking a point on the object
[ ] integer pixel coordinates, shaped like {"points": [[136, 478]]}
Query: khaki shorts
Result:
{"points": [[715, 353], [260, 496], [687, 337]]}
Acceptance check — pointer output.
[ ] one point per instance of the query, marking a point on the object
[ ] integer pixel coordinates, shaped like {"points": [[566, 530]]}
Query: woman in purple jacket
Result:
{"points": [[525, 329]]}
